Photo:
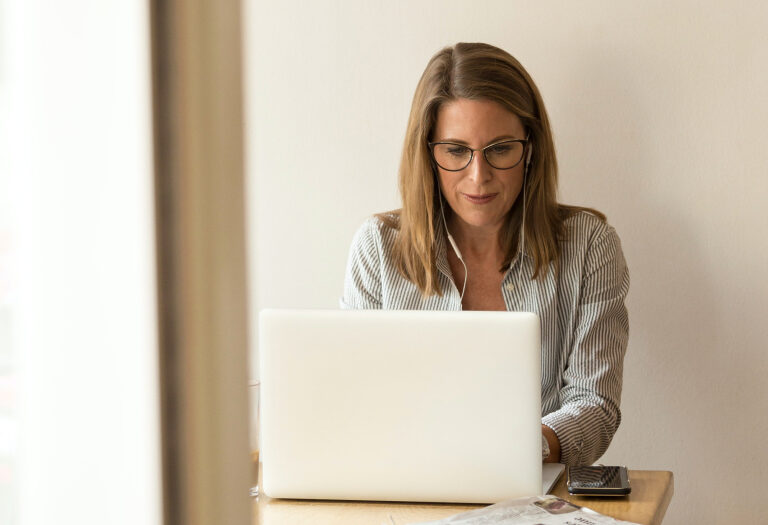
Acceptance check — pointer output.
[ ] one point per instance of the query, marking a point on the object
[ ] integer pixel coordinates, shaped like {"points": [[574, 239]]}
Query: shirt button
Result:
{"points": [[510, 287]]}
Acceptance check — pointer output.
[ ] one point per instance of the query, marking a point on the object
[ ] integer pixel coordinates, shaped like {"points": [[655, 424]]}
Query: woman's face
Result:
{"points": [[479, 195]]}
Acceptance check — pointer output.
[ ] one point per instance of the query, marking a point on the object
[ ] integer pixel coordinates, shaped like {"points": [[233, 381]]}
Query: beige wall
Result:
{"points": [[661, 120]]}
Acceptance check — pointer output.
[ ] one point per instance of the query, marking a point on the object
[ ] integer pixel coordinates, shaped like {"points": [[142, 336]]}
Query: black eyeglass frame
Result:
{"points": [[432, 145]]}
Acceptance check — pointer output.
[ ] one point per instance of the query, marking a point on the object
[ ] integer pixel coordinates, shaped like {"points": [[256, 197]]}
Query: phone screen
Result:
{"points": [[598, 480]]}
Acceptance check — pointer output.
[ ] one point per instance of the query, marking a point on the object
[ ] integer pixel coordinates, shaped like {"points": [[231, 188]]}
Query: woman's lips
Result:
{"points": [[480, 199]]}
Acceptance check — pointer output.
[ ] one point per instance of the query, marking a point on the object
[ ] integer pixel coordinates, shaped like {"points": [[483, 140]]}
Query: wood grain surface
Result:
{"points": [[651, 494]]}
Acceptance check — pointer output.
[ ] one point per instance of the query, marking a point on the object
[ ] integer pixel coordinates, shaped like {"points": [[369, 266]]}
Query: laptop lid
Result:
{"points": [[400, 405]]}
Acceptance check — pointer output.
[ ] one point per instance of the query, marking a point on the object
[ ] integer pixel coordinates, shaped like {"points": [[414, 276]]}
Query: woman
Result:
{"points": [[480, 229]]}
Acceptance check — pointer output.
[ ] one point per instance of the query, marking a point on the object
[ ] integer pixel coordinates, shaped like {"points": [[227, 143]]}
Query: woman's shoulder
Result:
{"points": [[382, 224], [584, 226], [387, 221], [592, 247], [380, 228]]}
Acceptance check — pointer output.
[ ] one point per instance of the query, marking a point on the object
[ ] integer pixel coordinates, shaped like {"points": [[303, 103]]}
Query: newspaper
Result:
{"points": [[535, 510]]}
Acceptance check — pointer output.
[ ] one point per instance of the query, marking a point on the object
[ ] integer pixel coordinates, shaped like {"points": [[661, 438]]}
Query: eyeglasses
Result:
{"points": [[503, 155]]}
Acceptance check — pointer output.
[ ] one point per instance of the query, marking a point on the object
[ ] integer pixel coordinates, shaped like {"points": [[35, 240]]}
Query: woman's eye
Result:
{"points": [[501, 149], [457, 151]]}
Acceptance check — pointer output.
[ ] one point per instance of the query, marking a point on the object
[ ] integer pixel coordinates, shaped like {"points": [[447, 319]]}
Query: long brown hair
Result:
{"points": [[476, 71]]}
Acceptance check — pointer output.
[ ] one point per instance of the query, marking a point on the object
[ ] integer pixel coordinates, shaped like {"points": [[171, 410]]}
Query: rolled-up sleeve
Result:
{"points": [[590, 395], [362, 281]]}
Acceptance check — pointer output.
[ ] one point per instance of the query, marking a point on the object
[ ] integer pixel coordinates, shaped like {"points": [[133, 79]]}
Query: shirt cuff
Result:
{"points": [[568, 432]]}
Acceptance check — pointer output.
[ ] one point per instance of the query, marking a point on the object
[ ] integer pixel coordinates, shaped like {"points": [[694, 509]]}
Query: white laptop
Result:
{"points": [[400, 405]]}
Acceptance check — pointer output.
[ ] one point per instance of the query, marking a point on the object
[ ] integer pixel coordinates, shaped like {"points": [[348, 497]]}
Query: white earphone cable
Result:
{"points": [[522, 230], [522, 222]]}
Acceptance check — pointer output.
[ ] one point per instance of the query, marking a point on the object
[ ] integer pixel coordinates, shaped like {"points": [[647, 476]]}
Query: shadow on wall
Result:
{"points": [[686, 403]]}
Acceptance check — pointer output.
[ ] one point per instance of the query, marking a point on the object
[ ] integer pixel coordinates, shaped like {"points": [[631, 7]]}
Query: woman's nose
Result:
{"points": [[479, 170]]}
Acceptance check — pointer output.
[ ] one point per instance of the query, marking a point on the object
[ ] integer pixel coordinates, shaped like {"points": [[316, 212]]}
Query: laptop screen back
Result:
{"points": [[400, 405]]}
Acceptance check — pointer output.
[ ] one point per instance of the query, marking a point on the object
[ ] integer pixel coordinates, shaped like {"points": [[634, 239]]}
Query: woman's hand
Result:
{"points": [[554, 444]]}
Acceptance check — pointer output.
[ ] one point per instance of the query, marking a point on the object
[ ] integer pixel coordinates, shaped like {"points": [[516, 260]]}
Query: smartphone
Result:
{"points": [[598, 481]]}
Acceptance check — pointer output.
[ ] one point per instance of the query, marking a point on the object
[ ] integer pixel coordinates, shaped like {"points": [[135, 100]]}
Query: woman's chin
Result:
{"points": [[475, 220]]}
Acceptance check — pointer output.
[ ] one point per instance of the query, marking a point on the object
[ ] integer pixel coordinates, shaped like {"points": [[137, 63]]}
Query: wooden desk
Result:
{"points": [[651, 494]]}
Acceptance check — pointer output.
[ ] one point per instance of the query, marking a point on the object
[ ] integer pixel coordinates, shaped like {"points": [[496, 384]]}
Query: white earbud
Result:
{"points": [[530, 152]]}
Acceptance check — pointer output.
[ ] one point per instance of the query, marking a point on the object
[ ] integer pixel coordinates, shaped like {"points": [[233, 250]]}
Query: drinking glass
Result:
{"points": [[253, 389]]}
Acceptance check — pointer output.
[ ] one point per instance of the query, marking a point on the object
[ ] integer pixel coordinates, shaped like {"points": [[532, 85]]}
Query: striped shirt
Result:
{"points": [[583, 320]]}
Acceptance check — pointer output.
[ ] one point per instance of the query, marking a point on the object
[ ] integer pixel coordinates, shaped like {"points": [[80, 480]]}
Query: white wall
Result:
{"points": [[78, 245], [661, 121]]}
